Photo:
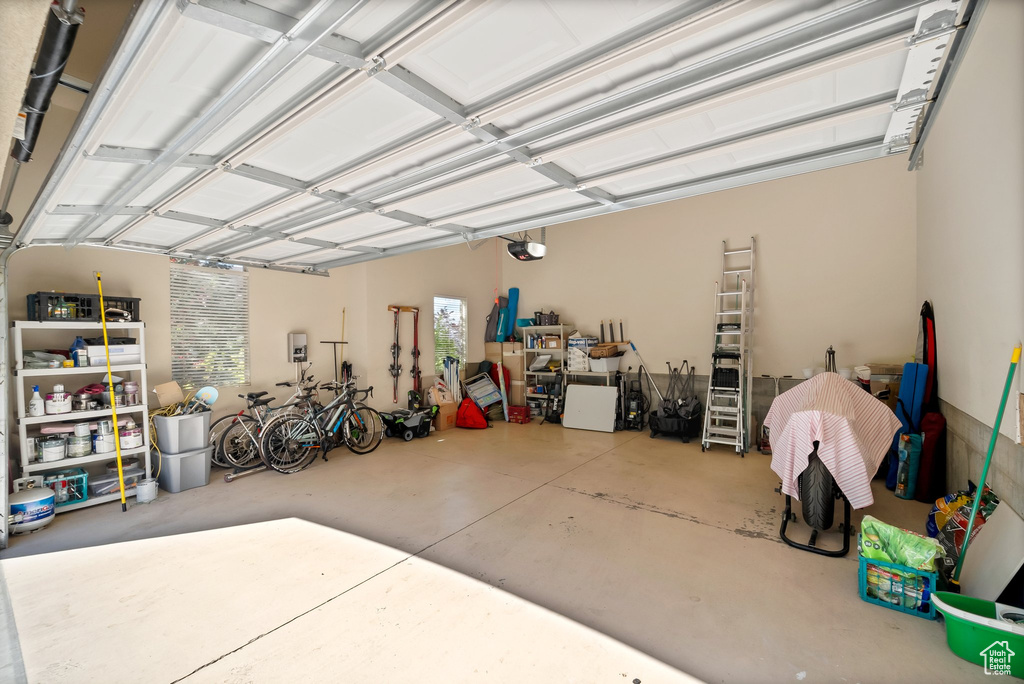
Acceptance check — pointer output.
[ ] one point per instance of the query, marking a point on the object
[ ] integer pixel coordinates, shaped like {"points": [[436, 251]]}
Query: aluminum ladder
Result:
{"points": [[727, 409]]}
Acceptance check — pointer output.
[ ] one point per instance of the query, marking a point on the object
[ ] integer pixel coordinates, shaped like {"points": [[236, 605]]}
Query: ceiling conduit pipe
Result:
{"points": [[58, 39]]}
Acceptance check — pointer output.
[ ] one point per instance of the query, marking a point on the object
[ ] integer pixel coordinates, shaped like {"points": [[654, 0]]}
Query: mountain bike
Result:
{"points": [[289, 443], [305, 390]]}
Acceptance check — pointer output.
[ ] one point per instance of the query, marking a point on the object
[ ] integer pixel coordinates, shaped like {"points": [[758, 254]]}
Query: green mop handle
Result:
{"points": [[1014, 360]]}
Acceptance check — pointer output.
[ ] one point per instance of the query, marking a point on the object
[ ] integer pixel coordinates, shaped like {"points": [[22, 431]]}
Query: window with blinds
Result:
{"points": [[449, 331], [209, 326]]}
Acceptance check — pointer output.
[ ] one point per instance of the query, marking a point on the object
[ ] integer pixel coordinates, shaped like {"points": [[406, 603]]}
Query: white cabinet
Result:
{"points": [[32, 334]]}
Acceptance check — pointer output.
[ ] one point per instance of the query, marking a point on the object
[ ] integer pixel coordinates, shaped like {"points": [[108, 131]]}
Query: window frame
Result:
{"points": [[464, 305]]}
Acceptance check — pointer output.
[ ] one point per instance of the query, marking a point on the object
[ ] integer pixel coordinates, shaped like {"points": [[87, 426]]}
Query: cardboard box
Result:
{"points": [[894, 391], [603, 351], [445, 418], [552, 342], [517, 395], [168, 393], [885, 368], [492, 350], [582, 342], [514, 363]]}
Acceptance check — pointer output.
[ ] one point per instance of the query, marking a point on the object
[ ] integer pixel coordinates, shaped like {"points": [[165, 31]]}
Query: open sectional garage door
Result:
{"points": [[309, 135]]}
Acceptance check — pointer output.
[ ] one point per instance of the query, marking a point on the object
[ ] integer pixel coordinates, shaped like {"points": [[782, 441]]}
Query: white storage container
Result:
{"points": [[608, 363], [119, 354], [178, 434], [179, 472]]}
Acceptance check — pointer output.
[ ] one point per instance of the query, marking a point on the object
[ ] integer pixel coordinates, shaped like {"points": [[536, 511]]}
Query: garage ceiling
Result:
{"points": [[307, 135]]}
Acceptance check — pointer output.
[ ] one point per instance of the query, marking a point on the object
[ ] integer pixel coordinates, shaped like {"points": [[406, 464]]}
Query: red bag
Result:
{"points": [[469, 415], [931, 474], [493, 372]]}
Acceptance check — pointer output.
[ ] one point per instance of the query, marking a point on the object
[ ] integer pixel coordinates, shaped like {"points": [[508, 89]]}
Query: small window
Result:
{"points": [[449, 331], [209, 325]]}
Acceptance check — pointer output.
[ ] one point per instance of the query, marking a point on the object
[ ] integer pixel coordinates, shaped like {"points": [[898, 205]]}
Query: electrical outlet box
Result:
{"points": [[297, 347]]}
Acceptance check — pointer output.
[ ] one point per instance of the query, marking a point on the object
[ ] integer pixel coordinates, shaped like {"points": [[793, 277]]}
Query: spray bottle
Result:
{"points": [[36, 406]]}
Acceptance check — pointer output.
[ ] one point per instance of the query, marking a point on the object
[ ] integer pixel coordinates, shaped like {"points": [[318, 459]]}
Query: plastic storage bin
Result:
{"points": [[605, 365], [180, 434], [975, 628], [188, 470], [108, 484], [898, 587], [519, 414]]}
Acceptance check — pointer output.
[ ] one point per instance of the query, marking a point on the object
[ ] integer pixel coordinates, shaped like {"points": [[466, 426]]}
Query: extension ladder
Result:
{"points": [[727, 410]]}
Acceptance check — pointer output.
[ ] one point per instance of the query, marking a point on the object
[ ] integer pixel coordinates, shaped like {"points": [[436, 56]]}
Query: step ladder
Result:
{"points": [[727, 409]]}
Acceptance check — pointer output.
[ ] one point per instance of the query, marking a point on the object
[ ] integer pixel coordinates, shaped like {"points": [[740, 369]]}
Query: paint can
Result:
{"points": [[131, 436], [145, 491], [103, 440], [49, 449], [131, 393], [79, 445]]}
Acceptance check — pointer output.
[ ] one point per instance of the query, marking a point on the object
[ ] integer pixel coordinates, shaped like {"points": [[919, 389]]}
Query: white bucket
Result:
{"points": [[145, 491]]}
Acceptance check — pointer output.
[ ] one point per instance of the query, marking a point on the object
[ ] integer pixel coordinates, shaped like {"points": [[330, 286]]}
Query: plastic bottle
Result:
{"points": [[36, 407], [79, 345]]}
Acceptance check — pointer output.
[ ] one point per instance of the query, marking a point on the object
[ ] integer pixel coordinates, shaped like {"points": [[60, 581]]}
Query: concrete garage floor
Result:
{"points": [[669, 550]]}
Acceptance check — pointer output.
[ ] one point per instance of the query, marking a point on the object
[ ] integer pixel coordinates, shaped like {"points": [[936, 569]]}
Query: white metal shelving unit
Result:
{"points": [[533, 378], [24, 377]]}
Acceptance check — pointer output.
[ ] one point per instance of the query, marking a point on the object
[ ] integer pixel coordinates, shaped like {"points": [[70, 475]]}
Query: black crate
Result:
{"points": [[726, 378], [70, 306]]}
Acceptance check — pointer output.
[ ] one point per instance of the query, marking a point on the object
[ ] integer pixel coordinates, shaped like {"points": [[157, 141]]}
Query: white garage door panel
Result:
{"points": [[226, 196], [480, 117], [350, 229], [174, 92], [308, 71], [371, 116], [507, 182]]}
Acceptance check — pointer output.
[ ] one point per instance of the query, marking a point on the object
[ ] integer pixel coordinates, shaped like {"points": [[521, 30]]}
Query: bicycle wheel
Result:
{"points": [[238, 444], [216, 431], [362, 430], [289, 443]]}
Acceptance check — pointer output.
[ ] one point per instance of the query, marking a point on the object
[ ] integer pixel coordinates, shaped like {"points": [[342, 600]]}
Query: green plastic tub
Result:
{"points": [[977, 630]]}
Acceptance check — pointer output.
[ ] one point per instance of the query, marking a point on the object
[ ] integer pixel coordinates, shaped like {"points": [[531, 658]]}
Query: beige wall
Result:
{"points": [[279, 303], [970, 196], [284, 302], [835, 265], [413, 280]]}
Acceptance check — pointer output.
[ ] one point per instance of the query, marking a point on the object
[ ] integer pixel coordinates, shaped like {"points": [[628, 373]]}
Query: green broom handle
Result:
{"points": [[1014, 360]]}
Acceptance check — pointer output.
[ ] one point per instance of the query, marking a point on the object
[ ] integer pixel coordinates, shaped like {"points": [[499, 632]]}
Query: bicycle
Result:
{"points": [[289, 443], [240, 441], [305, 389]]}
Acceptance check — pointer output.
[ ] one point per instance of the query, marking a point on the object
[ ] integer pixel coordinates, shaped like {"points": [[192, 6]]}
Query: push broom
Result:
{"points": [[1014, 360]]}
